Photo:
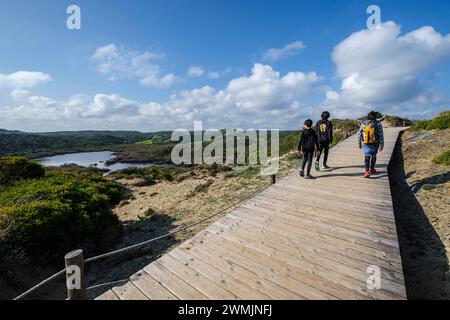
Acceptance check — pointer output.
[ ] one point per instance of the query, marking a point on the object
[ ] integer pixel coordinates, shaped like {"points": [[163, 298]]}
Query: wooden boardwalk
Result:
{"points": [[298, 239]]}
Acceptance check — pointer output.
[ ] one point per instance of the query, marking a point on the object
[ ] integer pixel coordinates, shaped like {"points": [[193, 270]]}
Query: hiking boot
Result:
{"points": [[309, 176], [373, 171], [302, 174], [367, 174], [317, 166]]}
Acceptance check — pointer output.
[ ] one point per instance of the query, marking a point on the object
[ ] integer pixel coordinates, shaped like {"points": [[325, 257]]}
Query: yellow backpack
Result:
{"points": [[369, 133]]}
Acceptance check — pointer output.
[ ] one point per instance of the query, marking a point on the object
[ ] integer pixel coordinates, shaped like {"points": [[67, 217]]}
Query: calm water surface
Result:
{"points": [[94, 159]]}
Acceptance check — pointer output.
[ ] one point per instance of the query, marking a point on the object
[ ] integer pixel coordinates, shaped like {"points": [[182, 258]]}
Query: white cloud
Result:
{"points": [[217, 74], [213, 75], [195, 71], [289, 50], [265, 98], [23, 79], [118, 63], [19, 95], [381, 68]]}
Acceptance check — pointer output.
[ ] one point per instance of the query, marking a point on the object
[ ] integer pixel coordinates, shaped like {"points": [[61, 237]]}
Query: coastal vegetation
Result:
{"points": [[440, 122], [48, 212]]}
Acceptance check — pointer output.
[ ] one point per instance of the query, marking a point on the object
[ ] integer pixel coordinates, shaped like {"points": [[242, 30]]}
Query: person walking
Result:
{"points": [[324, 129], [307, 144], [371, 140]]}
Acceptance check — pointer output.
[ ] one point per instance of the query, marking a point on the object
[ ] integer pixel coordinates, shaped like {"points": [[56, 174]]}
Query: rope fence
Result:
{"points": [[138, 245]]}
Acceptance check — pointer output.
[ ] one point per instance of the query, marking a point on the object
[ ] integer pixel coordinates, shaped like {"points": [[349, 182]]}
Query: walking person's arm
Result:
{"points": [[360, 132], [331, 132], [381, 136], [316, 143], [300, 143]]}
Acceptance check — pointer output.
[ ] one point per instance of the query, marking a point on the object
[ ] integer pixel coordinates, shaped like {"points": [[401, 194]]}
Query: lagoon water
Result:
{"points": [[88, 159]]}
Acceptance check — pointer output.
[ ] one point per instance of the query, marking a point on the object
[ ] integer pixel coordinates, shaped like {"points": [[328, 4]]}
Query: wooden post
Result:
{"points": [[75, 280], [273, 179]]}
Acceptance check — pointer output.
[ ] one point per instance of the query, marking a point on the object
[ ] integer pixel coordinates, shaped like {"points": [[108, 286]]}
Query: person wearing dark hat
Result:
{"points": [[324, 129]]}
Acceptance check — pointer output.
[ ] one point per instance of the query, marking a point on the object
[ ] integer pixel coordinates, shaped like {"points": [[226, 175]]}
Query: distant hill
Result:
{"points": [[41, 144], [4, 131]]}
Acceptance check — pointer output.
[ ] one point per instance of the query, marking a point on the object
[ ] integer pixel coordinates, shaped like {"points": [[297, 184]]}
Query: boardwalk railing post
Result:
{"points": [[273, 179], [75, 280]]}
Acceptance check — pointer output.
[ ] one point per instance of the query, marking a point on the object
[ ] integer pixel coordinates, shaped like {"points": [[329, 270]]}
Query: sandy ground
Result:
{"points": [[421, 194]]}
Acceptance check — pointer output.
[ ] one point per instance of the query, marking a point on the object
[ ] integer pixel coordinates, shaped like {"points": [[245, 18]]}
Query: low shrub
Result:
{"points": [[443, 158], [440, 122], [59, 212], [428, 187], [19, 168], [150, 212], [246, 173]]}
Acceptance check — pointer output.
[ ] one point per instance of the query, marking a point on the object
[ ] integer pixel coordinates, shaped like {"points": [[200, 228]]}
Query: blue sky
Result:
{"points": [[160, 65]]}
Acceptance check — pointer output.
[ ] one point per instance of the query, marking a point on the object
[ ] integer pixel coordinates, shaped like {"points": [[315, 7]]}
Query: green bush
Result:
{"points": [[440, 122], [18, 168], [246, 173], [338, 137], [150, 212], [346, 125], [443, 158], [428, 187], [150, 174], [50, 216], [289, 141]]}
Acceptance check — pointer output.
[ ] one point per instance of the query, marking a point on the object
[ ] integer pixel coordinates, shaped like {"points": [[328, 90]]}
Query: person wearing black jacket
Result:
{"points": [[324, 129], [307, 144]]}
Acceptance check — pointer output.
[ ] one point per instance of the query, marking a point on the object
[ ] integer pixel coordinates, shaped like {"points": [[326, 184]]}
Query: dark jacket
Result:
{"points": [[308, 140], [324, 129]]}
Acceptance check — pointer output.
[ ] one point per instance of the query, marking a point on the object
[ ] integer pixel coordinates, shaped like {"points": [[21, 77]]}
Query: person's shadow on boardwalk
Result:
{"points": [[334, 172], [424, 258]]}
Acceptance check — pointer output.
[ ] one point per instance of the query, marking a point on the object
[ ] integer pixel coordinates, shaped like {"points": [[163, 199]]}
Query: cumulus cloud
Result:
{"points": [[23, 79], [289, 50], [19, 95], [264, 98], [198, 71], [118, 63], [214, 75], [382, 68], [195, 71]]}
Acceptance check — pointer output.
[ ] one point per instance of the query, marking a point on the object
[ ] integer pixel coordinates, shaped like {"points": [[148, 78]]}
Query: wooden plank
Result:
{"points": [[195, 279], [177, 286], [108, 295], [151, 288], [321, 240], [242, 289], [340, 232], [353, 278], [276, 271], [320, 250], [316, 246], [128, 291], [254, 280]]}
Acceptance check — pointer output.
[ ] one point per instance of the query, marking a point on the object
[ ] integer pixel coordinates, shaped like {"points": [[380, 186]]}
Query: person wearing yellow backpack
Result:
{"points": [[371, 140]]}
